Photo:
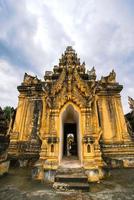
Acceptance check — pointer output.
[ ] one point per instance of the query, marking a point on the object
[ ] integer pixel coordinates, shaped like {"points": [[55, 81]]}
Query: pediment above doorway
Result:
{"points": [[70, 81]]}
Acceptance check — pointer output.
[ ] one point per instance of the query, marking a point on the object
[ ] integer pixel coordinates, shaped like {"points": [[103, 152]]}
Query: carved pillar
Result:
{"points": [[43, 125], [88, 120], [24, 113], [100, 114], [122, 128], [45, 128], [88, 139], [18, 125], [47, 120], [53, 145], [106, 123], [49, 149], [28, 120], [36, 119], [113, 117], [52, 123], [15, 135], [96, 125]]}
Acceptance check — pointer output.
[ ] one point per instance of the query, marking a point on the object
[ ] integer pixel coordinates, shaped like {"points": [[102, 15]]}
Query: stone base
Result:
{"points": [[50, 164], [23, 163], [120, 162], [95, 175], [39, 173], [4, 166], [49, 175], [128, 163]]}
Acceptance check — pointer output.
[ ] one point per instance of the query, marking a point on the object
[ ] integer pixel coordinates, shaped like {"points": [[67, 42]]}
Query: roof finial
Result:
{"points": [[69, 57]]}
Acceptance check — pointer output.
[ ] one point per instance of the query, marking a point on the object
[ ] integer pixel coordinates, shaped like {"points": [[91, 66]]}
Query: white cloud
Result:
{"points": [[10, 78], [35, 33]]}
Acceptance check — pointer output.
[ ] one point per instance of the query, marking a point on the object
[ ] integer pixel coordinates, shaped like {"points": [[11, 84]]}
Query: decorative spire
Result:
{"points": [[69, 57]]}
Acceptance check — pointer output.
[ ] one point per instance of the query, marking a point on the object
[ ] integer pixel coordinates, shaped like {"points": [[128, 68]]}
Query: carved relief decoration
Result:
{"points": [[58, 84], [66, 82], [29, 80], [111, 78]]}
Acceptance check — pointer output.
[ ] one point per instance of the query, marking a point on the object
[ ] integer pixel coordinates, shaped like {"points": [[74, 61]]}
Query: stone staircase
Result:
{"points": [[71, 179]]}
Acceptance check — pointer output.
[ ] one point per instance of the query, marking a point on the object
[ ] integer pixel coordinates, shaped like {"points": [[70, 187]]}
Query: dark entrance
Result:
{"points": [[70, 134]]}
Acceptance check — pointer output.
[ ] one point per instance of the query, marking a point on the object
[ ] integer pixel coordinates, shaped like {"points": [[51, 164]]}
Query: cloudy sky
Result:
{"points": [[34, 33]]}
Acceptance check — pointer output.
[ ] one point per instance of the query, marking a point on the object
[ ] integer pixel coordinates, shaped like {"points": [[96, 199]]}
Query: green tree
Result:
{"points": [[8, 112]]}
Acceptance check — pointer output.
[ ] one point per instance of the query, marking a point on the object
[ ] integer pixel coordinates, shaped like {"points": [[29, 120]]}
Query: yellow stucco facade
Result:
{"points": [[70, 101]]}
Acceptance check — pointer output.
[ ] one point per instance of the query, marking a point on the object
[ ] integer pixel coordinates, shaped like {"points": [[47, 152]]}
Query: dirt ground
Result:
{"points": [[18, 185]]}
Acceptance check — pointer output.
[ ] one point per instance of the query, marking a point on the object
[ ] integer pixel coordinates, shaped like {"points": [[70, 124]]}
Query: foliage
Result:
{"points": [[8, 112]]}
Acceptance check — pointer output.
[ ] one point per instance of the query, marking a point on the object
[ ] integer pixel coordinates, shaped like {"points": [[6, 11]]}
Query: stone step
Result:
{"points": [[71, 178], [63, 186], [69, 170]]}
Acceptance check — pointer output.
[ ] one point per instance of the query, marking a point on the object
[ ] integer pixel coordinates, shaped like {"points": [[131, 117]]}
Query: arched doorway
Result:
{"points": [[70, 138]]}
